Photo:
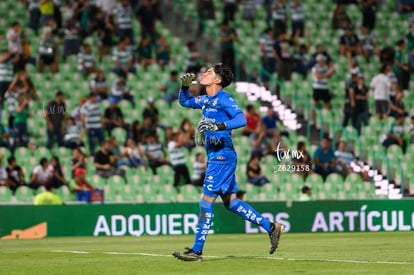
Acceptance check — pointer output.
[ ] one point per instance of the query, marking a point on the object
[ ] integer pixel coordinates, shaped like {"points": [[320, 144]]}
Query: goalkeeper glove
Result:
{"points": [[209, 126], [186, 80]]}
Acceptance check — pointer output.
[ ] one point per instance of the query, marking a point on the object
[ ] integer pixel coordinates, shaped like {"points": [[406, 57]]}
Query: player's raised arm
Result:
{"points": [[184, 96]]}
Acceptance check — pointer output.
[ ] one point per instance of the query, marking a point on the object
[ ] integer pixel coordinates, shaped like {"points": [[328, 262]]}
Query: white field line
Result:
{"points": [[252, 257]]}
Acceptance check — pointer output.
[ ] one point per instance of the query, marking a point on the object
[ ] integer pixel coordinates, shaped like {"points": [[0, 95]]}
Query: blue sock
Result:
{"points": [[248, 213], [204, 224]]}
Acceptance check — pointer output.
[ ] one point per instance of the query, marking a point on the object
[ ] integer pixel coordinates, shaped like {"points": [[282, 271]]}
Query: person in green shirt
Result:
{"points": [[401, 66], [48, 197], [20, 133]]}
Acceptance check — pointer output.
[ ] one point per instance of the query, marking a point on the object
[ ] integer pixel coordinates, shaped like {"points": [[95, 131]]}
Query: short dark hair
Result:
{"points": [[173, 73], [42, 161], [249, 107], [400, 42], [190, 44], [305, 189], [225, 74], [301, 144], [11, 159]]}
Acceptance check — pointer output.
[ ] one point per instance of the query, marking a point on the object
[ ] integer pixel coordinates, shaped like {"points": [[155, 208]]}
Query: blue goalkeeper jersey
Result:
{"points": [[219, 108]]}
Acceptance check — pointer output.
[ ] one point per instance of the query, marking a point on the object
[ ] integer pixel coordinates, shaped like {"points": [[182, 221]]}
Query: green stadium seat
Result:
{"points": [[6, 194], [24, 195]]}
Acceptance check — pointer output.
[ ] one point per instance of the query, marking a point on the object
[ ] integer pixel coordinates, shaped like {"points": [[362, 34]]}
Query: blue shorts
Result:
{"points": [[220, 180]]}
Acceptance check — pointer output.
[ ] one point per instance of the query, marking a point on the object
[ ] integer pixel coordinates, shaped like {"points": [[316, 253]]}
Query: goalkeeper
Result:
{"points": [[221, 114]]}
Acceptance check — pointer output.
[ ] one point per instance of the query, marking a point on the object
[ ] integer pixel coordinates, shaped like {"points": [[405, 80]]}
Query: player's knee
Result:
{"points": [[232, 204], [206, 204]]}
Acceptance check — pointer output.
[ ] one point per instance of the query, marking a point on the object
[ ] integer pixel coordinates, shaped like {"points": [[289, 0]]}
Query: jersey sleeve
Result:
{"points": [[231, 108], [190, 101]]}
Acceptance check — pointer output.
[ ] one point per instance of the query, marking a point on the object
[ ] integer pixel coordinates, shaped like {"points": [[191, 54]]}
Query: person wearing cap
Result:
{"points": [[121, 91], [92, 121], [79, 183], [55, 115], [349, 42], [321, 73]]}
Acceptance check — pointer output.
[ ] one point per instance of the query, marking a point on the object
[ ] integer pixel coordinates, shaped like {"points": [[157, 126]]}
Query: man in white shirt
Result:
{"points": [[41, 175], [381, 85]]}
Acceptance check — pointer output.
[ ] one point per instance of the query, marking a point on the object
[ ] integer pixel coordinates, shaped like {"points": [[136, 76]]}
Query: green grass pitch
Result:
{"points": [[334, 253]]}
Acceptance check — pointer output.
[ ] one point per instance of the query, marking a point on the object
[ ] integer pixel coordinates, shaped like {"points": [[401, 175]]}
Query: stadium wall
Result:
{"points": [[181, 218]]}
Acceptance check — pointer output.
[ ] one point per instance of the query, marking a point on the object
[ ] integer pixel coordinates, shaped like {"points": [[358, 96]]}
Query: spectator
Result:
{"points": [[368, 43], [306, 194], [47, 10], [230, 7], [116, 152], [73, 136], [349, 42], [99, 85], [395, 134], [105, 163], [86, 61], [194, 60], [344, 158], [397, 106], [79, 160], [15, 174], [68, 10], [324, 158], [302, 161], [120, 90], [410, 45], [369, 9], [199, 169], [24, 84], [134, 153], [55, 116], [145, 52], [11, 97], [6, 73], [380, 84], [178, 160], [171, 88], [162, 52], [77, 112], [205, 11], [253, 171], [92, 121], [249, 11], [155, 153], [47, 197], [34, 15], [3, 175], [349, 104], [411, 130], [72, 40], [252, 118], [20, 134], [361, 93], [270, 121], [41, 175], [136, 132], [148, 128], [27, 52], [258, 141], [300, 61], [297, 18], [320, 51], [279, 17], [401, 66], [187, 134], [340, 19], [14, 41], [104, 27], [123, 59], [113, 117], [147, 16], [151, 111], [267, 55], [48, 52], [228, 36], [321, 74], [283, 57], [78, 183], [123, 15], [58, 177], [4, 138]]}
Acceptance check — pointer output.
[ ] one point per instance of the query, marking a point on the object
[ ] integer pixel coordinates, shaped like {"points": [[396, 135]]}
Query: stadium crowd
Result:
{"points": [[62, 28]]}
